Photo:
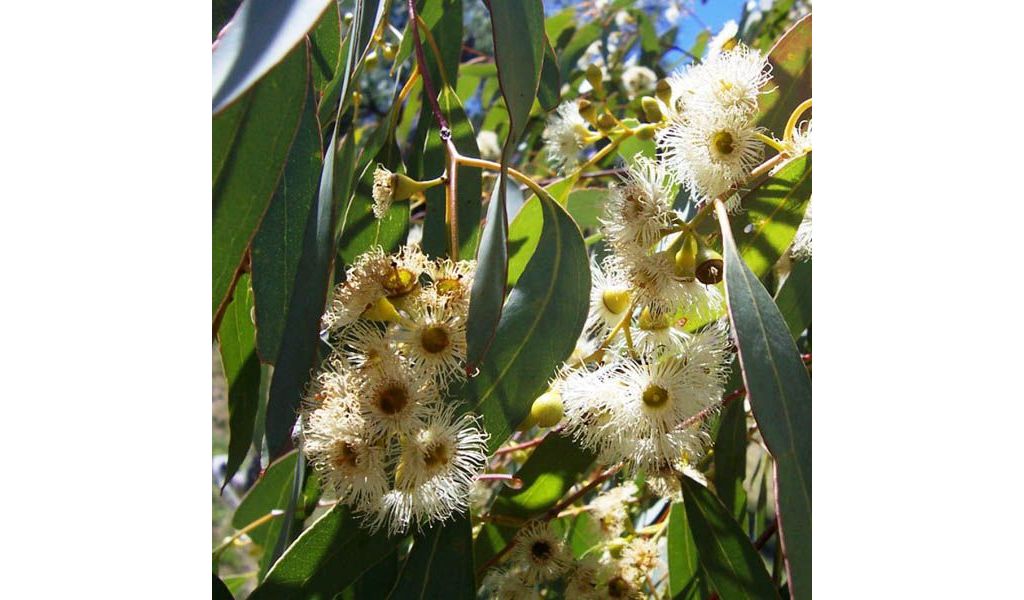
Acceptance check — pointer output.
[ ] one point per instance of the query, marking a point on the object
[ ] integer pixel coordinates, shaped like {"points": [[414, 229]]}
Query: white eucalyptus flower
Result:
{"points": [[565, 136], [541, 551]]}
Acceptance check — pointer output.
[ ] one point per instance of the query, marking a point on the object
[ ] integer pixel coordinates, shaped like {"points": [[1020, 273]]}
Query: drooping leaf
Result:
{"points": [[220, 589], [369, 586], [726, 556], [553, 467], [731, 458], [325, 48], [237, 342], [256, 39], [469, 180], [549, 92], [251, 168], [771, 214], [779, 390], [587, 206], [337, 96], [524, 232], [794, 298], [684, 577], [791, 77], [518, 29], [440, 564], [488, 292], [277, 247], [328, 557], [539, 327], [273, 491], [298, 349]]}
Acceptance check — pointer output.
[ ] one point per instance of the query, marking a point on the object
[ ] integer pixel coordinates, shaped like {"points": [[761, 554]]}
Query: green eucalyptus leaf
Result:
{"points": [[549, 92], [587, 206], [237, 343], [791, 77], [277, 247], [444, 19], [256, 39], [488, 292], [440, 564], [554, 466], [325, 48], [684, 577], [726, 556], [518, 29], [220, 589], [779, 391], [731, 458], [248, 167], [794, 298], [765, 228], [325, 559], [298, 349], [539, 327]]}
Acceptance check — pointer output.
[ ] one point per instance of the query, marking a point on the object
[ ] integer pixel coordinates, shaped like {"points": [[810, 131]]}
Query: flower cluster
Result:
{"points": [[711, 142], [615, 568], [376, 424]]}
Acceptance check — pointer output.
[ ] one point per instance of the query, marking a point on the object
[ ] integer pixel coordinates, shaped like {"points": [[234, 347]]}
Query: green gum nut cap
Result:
{"points": [[547, 409], [652, 109], [587, 110], [605, 122]]}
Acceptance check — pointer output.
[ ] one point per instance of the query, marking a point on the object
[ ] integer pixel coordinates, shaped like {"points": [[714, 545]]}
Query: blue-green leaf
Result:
{"points": [[277, 247], [298, 350], [794, 298], [237, 342], [553, 467], [440, 564], [731, 458], [328, 557], [732, 565], [539, 327], [518, 29], [488, 293], [249, 156], [258, 37], [791, 77], [779, 390], [684, 580]]}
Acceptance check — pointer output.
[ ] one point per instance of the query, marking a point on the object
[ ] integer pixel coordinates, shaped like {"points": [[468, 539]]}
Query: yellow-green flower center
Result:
{"points": [[655, 396], [723, 142]]}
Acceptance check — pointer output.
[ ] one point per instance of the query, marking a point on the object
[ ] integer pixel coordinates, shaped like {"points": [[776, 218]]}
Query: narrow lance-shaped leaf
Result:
{"points": [[539, 327], [732, 565], [298, 351], [684, 577], [549, 92], [794, 298], [237, 341], [328, 557], [258, 37], [553, 467], [277, 247], [248, 176], [791, 77], [518, 29], [779, 390], [488, 292], [731, 458], [440, 564]]}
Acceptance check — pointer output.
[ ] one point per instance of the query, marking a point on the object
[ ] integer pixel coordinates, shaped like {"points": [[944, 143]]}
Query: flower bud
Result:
{"points": [[381, 310], [587, 110], [710, 267], [644, 132], [652, 109], [663, 91], [596, 79], [547, 409], [605, 122], [389, 51], [371, 60], [686, 257]]}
